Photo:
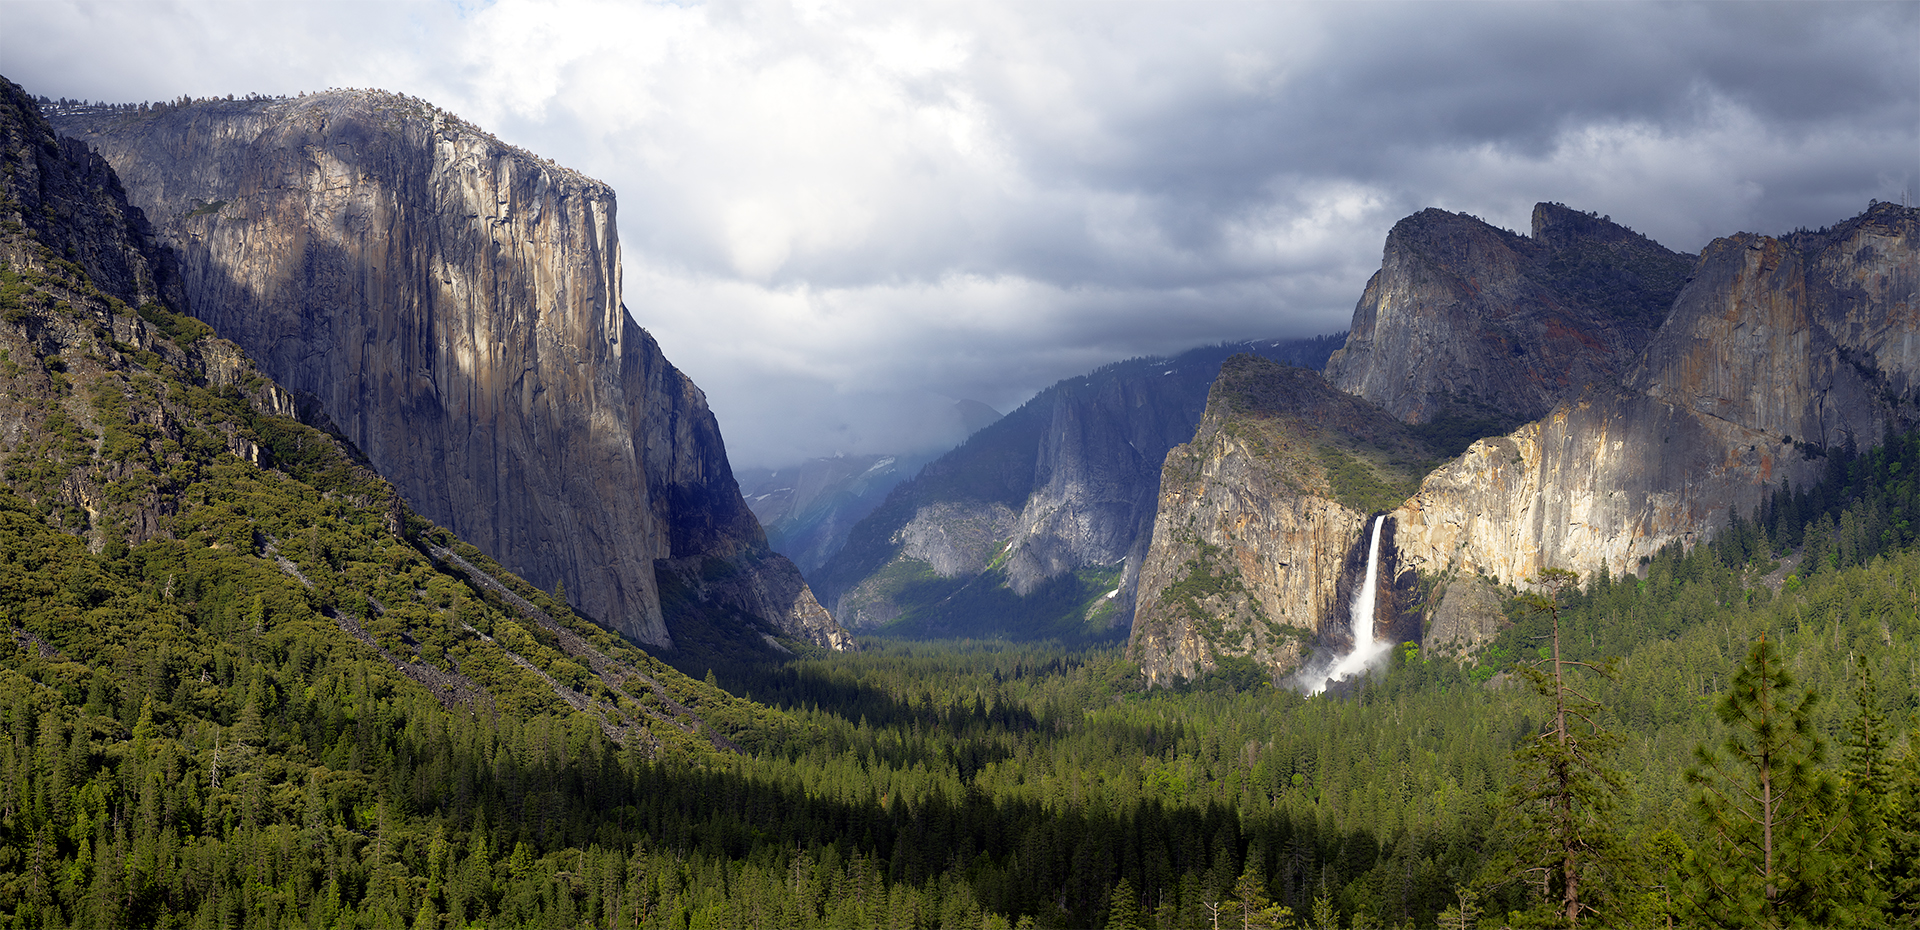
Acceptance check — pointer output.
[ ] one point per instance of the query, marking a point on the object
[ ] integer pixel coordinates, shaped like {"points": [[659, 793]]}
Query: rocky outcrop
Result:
{"points": [[68, 198], [1465, 320], [452, 305], [1253, 551], [1468, 616], [1060, 493], [1604, 480], [1776, 350], [1811, 338]]}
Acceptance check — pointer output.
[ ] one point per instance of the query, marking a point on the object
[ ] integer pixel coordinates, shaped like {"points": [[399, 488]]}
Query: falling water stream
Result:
{"points": [[1366, 651]]}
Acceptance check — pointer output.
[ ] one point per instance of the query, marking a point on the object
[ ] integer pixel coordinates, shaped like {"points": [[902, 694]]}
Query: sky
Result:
{"points": [[841, 218]]}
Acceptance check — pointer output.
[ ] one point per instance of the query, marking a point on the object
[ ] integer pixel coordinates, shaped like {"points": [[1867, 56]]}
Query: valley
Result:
{"points": [[366, 564]]}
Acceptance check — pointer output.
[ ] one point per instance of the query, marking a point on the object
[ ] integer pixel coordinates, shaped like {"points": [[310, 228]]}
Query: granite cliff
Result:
{"points": [[1465, 320], [451, 305], [1777, 350], [1258, 539], [1768, 354], [1037, 525]]}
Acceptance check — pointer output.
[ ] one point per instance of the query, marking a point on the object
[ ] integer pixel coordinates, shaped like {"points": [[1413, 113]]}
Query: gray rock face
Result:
{"points": [[1096, 476], [1464, 319], [1469, 616], [1775, 345], [1252, 554], [1067, 483], [1798, 338], [950, 539], [452, 305], [957, 539]]}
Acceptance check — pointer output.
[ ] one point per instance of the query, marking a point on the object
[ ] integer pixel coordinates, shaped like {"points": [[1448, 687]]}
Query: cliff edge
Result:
{"points": [[452, 305]]}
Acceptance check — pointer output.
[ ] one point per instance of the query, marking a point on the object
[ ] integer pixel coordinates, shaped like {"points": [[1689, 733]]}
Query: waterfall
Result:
{"points": [[1366, 651]]}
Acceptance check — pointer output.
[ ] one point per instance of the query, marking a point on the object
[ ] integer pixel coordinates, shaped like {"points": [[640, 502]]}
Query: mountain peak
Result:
{"points": [[1466, 321], [1558, 226]]}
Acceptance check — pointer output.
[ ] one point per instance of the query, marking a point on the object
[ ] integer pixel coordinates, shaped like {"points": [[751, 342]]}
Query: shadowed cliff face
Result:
{"points": [[1775, 349], [1466, 320], [452, 305]]}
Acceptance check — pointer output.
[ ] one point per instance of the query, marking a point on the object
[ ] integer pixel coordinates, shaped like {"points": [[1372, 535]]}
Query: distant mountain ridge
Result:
{"points": [[1037, 524], [808, 508]]}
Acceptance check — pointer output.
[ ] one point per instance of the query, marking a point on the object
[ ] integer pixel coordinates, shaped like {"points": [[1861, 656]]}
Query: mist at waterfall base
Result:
{"points": [[1367, 652]]}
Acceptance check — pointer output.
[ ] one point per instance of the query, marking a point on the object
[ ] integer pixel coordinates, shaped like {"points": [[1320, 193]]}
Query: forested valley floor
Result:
{"points": [[176, 752]]}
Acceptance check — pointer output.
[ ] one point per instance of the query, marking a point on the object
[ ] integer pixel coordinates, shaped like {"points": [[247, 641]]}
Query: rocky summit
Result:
{"points": [[1666, 394], [451, 305], [1778, 351], [1466, 320]]}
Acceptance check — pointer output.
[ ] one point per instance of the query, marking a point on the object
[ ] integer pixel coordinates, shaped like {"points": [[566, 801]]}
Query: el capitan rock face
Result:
{"points": [[452, 305]]}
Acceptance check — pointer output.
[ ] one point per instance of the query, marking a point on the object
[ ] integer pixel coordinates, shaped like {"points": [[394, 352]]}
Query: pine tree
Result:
{"points": [[1903, 841], [1123, 907], [1463, 916], [1764, 863], [1251, 906], [1564, 787], [1864, 818]]}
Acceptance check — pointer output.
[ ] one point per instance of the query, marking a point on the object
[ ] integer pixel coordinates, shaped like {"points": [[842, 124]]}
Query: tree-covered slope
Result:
{"points": [[227, 634]]}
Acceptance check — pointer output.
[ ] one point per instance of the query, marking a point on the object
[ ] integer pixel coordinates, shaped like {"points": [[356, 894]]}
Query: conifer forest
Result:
{"points": [[246, 685]]}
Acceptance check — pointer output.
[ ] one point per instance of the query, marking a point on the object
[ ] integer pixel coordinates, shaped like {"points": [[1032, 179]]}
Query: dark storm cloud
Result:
{"points": [[839, 218]]}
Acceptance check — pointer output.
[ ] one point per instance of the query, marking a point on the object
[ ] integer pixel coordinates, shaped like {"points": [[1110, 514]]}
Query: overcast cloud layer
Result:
{"points": [[840, 218]]}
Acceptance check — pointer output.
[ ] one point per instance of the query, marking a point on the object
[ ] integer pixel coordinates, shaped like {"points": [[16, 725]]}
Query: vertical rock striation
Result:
{"points": [[1259, 524], [452, 305], [1776, 350]]}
